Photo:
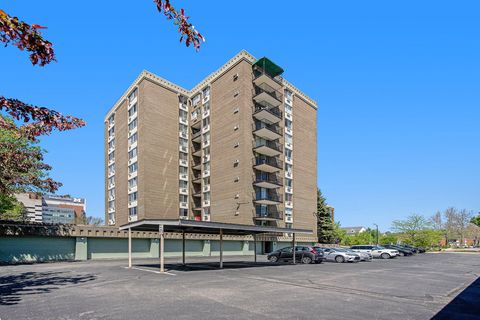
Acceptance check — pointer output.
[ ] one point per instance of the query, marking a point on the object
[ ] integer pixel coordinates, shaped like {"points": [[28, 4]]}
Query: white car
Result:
{"points": [[376, 251], [338, 255]]}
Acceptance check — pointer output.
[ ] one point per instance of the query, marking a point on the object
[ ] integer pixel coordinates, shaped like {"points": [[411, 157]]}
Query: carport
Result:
{"points": [[201, 227]]}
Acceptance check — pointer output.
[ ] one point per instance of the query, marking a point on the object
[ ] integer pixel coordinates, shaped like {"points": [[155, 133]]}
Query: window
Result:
{"points": [[183, 142], [111, 120], [132, 110], [206, 138], [288, 123], [111, 156], [133, 124], [288, 94], [288, 211], [206, 107], [206, 166], [132, 211], [206, 211], [288, 197], [111, 132], [196, 100], [111, 205], [133, 168], [183, 198], [288, 138], [132, 153], [206, 122], [206, 196], [133, 138], [206, 151], [111, 169], [206, 181], [183, 128], [111, 181], [288, 108], [288, 225], [288, 153], [288, 167], [111, 194], [183, 115], [111, 144], [183, 212], [183, 170], [183, 184], [288, 182], [132, 96], [132, 182], [183, 156], [132, 197], [206, 92]]}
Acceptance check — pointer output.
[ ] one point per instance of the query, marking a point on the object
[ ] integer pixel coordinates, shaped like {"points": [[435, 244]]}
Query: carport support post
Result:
{"points": [[255, 248], [183, 247], [221, 248], [293, 245], [129, 248], [162, 251]]}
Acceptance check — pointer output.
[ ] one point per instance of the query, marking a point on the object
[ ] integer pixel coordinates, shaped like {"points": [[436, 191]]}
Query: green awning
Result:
{"points": [[268, 66]]}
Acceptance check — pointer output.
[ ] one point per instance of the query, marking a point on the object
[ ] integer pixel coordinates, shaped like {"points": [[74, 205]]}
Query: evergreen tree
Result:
{"points": [[325, 225]]}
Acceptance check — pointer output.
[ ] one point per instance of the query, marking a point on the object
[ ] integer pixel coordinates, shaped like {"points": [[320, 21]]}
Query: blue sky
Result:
{"points": [[397, 84]]}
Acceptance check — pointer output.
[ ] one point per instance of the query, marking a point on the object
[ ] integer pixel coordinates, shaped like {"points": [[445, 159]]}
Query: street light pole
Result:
{"points": [[376, 225]]}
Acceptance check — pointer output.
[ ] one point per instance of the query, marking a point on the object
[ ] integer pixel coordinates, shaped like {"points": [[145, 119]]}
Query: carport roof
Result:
{"points": [[192, 226]]}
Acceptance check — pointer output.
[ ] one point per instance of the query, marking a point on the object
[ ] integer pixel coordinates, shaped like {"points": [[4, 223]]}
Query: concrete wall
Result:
{"points": [[36, 249]]}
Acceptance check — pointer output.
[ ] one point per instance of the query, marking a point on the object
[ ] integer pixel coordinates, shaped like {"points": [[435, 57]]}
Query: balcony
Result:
{"points": [[268, 199], [197, 137], [261, 77], [266, 112], [268, 181], [196, 123], [268, 148], [268, 215], [267, 164], [267, 131], [196, 165], [197, 178], [266, 94]]}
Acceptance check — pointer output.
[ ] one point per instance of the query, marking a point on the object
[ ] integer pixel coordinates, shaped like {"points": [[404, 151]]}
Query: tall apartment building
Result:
{"points": [[240, 147]]}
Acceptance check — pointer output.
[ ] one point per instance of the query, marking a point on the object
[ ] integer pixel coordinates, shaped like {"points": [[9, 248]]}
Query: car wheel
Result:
{"points": [[273, 259], [385, 256], [306, 260], [401, 254], [339, 259]]}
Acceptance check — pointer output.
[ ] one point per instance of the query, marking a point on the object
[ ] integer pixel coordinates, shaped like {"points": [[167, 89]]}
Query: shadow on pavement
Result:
{"points": [[465, 306], [205, 266], [14, 287]]}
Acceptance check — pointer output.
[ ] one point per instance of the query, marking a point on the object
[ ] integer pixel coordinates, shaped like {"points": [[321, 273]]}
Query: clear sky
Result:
{"points": [[397, 85]]}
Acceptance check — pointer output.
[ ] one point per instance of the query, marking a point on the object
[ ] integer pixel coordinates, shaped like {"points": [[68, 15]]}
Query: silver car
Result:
{"points": [[339, 255], [364, 256]]}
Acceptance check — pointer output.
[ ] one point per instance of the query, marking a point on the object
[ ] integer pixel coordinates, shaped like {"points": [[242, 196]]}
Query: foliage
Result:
{"points": [[21, 164], [411, 227], [338, 233], [360, 238], [388, 238], [10, 208], [93, 221], [26, 37], [325, 224], [457, 222], [476, 220], [427, 238], [187, 30]]}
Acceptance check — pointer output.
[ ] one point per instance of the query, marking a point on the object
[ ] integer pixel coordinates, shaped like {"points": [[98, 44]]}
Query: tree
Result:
{"points": [[388, 238], [11, 209], [93, 221], [437, 224], [410, 227], [325, 225], [457, 222], [476, 220]]}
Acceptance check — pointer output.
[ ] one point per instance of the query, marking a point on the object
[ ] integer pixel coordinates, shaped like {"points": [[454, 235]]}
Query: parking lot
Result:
{"points": [[417, 287]]}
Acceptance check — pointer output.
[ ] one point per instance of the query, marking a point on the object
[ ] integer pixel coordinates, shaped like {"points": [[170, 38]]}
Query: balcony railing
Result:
{"points": [[269, 178], [258, 72], [271, 197], [272, 127], [270, 144], [275, 111], [268, 215], [270, 161], [257, 90]]}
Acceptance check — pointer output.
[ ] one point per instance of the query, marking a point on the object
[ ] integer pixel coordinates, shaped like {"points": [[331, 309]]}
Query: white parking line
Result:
{"points": [[153, 271]]}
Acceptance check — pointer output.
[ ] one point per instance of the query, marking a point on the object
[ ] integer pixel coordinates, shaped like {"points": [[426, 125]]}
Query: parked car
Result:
{"points": [[303, 254], [415, 249], [364, 256], [339, 255], [376, 251], [403, 251]]}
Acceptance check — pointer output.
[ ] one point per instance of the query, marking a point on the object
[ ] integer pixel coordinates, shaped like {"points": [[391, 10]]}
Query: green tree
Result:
{"points": [[388, 238], [411, 227], [428, 238], [11, 209], [476, 220], [325, 225]]}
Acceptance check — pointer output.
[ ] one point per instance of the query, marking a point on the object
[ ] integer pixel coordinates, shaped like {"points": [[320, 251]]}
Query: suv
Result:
{"points": [[402, 250], [304, 254], [376, 251]]}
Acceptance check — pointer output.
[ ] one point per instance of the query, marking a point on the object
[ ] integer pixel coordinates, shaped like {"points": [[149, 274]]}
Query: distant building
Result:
{"points": [[351, 231], [53, 208]]}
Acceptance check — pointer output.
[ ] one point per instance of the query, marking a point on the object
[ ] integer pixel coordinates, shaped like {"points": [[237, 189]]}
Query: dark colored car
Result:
{"points": [[403, 250], [415, 249], [303, 254]]}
